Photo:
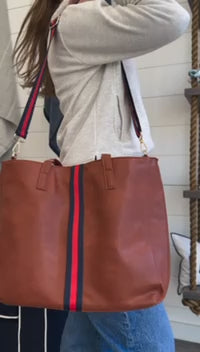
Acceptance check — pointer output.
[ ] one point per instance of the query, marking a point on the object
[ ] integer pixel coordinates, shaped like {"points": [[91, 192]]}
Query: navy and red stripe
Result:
{"points": [[74, 274], [25, 121]]}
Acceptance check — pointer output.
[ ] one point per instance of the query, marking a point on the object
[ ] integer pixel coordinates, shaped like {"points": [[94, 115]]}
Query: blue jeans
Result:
{"points": [[146, 330]]}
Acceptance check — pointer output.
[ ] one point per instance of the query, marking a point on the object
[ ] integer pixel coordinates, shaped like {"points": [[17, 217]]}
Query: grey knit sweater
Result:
{"points": [[84, 62]]}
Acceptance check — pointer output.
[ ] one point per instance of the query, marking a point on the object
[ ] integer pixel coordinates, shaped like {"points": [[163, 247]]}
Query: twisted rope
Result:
{"points": [[194, 159], [194, 152], [193, 305]]}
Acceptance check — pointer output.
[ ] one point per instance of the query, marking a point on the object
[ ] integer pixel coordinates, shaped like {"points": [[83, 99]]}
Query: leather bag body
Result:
{"points": [[93, 237], [90, 238]]}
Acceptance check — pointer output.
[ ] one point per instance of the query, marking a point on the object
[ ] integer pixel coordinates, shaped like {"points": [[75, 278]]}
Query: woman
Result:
{"points": [[86, 74]]}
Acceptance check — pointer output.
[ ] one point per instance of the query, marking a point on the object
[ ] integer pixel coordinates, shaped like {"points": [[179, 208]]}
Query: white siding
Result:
{"points": [[164, 75]]}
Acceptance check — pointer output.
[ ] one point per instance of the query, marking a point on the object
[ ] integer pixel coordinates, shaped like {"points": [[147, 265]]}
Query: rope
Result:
{"points": [[193, 305], [194, 158], [194, 146], [199, 178]]}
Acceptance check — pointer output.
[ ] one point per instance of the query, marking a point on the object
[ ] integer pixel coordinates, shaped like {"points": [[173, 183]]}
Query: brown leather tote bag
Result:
{"points": [[92, 237]]}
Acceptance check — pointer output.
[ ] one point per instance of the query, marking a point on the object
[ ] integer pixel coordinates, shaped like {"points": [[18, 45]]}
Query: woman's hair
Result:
{"points": [[30, 48]]}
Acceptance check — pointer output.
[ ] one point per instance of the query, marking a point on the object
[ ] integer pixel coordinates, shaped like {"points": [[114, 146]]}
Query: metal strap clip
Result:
{"points": [[17, 145], [143, 145], [54, 23]]}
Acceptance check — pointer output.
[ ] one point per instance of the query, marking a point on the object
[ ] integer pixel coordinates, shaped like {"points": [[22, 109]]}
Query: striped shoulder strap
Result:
{"points": [[22, 129]]}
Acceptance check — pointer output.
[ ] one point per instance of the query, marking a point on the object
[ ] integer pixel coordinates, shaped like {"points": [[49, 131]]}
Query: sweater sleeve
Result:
{"points": [[98, 33]]}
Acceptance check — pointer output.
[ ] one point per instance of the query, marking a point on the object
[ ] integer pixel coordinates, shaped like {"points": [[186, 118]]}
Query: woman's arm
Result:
{"points": [[98, 33]]}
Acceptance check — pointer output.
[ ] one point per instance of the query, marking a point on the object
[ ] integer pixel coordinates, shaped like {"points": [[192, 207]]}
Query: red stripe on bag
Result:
{"points": [[75, 243]]}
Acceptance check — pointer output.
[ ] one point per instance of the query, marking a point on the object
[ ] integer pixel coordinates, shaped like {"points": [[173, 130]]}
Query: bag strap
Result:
{"points": [[22, 129]]}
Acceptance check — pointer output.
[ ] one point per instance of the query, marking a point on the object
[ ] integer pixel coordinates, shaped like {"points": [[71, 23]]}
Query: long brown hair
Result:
{"points": [[30, 47]]}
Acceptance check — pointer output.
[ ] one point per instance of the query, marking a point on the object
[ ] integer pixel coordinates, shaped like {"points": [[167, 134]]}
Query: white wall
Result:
{"points": [[164, 75]]}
